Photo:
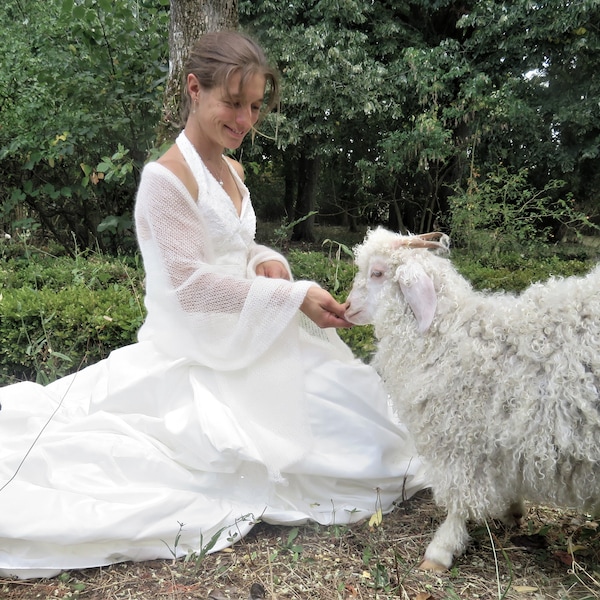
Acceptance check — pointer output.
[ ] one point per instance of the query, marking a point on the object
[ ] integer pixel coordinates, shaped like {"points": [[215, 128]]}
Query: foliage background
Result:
{"points": [[402, 104], [80, 90], [392, 112]]}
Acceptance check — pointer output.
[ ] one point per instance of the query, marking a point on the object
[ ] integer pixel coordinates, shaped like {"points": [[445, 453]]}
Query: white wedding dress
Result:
{"points": [[231, 408]]}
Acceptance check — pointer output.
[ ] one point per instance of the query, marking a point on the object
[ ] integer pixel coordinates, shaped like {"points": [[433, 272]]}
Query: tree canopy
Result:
{"points": [[408, 102], [81, 96], [393, 112]]}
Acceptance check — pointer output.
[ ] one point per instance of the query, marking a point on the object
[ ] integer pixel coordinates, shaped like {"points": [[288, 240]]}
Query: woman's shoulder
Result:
{"points": [[159, 181], [173, 161], [236, 166]]}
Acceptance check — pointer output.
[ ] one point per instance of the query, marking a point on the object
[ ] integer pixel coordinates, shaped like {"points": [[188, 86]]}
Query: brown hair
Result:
{"points": [[218, 55]]}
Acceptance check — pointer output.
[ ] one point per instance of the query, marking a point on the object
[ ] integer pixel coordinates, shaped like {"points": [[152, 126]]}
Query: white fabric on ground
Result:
{"points": [[231, 408]]}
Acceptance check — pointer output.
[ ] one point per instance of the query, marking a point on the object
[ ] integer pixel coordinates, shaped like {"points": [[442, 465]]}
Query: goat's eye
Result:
{"points": [[376, 274]]}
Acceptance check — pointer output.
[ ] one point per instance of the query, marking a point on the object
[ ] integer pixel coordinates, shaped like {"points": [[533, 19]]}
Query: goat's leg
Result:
{"points": [[450, 540]]}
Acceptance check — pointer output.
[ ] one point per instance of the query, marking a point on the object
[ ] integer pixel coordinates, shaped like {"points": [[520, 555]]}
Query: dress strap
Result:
{"points": [[205, 180], [191, 157]]}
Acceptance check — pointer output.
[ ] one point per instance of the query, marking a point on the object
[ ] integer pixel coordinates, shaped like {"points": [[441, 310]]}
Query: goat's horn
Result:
{"points": [[432, 235], [423, 240]]}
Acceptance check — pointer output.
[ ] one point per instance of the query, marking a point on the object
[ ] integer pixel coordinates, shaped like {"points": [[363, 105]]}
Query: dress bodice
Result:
{"points": [[232, 236]]}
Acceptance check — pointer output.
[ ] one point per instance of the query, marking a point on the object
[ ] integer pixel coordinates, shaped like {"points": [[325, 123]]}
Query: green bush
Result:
{"points": [[334, 274], [517, 271], [503, 212], [82, 90], [58, 315], [88, 269], [46, 334]]}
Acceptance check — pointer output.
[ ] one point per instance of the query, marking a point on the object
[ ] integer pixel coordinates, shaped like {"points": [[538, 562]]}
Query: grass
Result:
{"points": [[555, 555]]}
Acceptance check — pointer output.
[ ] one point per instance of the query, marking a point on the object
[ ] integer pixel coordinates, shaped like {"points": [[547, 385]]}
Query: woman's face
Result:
{"points": [[226, 115]]}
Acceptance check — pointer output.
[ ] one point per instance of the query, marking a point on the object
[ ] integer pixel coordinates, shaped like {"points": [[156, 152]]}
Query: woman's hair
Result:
{"points": [[218, 55]]}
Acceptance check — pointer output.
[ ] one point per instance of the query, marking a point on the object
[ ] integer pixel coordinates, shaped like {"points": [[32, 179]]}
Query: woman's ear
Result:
{"points": [[417, 288], [193, 86]]}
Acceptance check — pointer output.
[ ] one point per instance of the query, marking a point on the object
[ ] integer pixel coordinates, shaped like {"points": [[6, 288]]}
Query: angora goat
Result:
{"points": [[500, 391]]}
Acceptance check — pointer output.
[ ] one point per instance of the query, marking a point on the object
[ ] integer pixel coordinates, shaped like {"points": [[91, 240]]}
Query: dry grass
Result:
{"points": [[555, 555]]}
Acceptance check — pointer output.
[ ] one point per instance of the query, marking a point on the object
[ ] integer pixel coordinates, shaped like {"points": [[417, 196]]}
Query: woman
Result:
{"points": [[238, 403]]}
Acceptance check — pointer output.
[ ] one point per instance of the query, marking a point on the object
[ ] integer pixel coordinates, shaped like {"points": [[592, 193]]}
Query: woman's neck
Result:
{"points": [[209, 151]]}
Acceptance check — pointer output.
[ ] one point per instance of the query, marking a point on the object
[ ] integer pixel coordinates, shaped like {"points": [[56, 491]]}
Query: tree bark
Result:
{"points": [[291, 188], [189, 19], [308, 175]]}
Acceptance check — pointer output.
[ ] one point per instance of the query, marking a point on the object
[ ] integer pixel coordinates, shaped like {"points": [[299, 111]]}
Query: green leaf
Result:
{"points": [[67, 7], [78, 11], [66, 359], [34, 159], [109, 223]]}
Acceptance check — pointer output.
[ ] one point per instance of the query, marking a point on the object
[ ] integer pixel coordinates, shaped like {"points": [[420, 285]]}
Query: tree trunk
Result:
{"points": [[308, 175], [291, 187], [189, 19], [395, 220]]}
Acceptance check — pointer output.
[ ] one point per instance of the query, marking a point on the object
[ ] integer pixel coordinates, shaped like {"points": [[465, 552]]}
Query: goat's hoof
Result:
{"points": [[430, 565]]}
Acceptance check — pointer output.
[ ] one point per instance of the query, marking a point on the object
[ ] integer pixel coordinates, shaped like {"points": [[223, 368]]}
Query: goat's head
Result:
{"points": [[384, 260]]}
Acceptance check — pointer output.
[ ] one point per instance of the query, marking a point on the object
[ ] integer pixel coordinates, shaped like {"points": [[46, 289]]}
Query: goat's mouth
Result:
{"points": [[356, 317]]}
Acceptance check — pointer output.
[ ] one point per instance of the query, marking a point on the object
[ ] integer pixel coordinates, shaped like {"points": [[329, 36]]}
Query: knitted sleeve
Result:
{"points": [[200, 301]]}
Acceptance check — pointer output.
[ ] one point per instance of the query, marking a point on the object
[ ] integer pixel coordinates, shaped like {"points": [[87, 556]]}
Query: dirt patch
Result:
{"points": [[554, 555]]}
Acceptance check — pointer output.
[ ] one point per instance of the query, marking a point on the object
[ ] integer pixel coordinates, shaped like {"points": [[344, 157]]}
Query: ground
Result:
{"points": [[554, 555]]}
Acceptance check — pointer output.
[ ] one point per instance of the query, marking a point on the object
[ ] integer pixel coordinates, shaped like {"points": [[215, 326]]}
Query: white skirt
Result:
{"points": [[137, 458]]}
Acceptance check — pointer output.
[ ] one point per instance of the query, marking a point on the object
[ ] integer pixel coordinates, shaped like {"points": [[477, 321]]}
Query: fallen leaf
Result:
{"points": [[424, 596], [376, 519], [525, 589], [350, 592], [572, 548], [564, 557]]}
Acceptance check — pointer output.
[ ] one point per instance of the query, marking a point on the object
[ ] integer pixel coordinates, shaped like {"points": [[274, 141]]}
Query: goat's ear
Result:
{"points": [[419, 292]]}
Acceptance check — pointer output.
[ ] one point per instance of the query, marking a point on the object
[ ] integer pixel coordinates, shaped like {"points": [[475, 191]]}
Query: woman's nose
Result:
{"points": [[244, 116]]}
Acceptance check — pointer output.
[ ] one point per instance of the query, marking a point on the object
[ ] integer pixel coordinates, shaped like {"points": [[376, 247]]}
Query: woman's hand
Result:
{"points": [[273, 269], [322, 308]]}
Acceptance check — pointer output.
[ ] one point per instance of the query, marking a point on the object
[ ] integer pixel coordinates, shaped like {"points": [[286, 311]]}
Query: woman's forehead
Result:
{"points": [[250, 88]]}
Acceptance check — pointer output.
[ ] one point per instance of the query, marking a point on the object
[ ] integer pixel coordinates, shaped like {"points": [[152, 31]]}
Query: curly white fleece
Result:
{"points": [[501, 391]]}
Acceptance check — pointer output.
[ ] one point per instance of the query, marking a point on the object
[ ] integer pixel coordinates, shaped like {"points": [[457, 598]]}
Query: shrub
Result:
{"points": [[502, 212], [516, 271], [58, 315]]}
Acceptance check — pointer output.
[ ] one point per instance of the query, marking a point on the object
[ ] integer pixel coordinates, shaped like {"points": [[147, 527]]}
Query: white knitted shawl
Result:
{"points": [[207, 307]]}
